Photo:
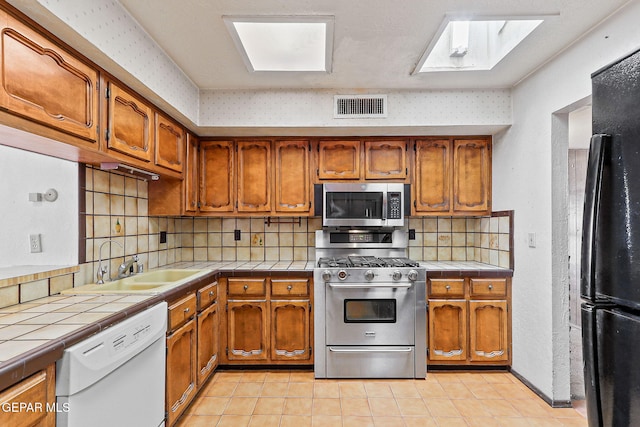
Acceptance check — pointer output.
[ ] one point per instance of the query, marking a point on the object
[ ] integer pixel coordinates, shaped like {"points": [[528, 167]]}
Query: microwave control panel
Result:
{"points": [[394, 207]]}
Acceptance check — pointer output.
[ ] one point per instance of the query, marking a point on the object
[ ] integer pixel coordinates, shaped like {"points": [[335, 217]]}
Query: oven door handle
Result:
{"points": [[369, 285], [371, 350]]}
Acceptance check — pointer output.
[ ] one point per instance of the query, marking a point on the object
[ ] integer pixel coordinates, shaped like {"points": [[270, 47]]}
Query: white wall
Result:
{"points": [[21, 173], [530, 176]]}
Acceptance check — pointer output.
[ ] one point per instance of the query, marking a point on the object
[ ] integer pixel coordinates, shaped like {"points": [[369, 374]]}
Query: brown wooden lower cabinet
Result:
{"points": [[468, 321], [208, 332], [38, 391], [267, 321]]}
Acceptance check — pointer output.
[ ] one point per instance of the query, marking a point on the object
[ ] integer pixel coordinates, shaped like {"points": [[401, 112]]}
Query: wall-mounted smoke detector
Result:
{"points": [[359, 106]]}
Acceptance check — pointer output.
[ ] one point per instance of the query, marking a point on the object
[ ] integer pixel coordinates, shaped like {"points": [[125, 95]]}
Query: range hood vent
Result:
{"points": [[359, 106]]}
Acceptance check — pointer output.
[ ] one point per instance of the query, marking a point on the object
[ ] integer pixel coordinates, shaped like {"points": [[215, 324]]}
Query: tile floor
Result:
{"points": [[283, 398]]}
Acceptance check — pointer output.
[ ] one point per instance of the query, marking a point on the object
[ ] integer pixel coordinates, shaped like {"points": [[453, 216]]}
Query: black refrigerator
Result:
{"points": [[610, 272]]}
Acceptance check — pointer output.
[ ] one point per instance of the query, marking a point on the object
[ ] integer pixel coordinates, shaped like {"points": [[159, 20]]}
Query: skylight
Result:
{"points": [[474, 44], [277, 43]]}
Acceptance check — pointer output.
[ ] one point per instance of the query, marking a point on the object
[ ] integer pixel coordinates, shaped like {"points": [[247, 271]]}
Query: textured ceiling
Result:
{"points": [[377, 43]]}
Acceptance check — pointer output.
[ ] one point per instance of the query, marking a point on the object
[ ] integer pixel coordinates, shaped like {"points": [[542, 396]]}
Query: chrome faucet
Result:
{"points": [[122, 269]]}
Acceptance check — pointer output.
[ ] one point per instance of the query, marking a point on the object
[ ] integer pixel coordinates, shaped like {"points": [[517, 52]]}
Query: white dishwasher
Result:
{"points": [[116, 377]]}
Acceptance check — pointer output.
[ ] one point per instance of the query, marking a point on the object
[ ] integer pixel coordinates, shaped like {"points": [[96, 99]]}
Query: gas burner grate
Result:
{"points": [[357, 261], [400, 262]]}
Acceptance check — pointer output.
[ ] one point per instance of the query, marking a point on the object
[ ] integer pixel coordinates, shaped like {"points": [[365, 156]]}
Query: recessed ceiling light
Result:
{"points": [[289, 43], [478, 43]]}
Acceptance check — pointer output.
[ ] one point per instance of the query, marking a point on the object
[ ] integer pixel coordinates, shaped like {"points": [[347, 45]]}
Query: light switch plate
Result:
{"points": [[532, 240]]}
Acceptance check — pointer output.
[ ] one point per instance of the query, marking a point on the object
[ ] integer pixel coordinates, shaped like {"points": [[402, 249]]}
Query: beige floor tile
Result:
{"points": [[326, 421], [300, 377], [277, 376], [500, 408], [326, 390], [378, 389], [352, 389], [234, 421], [404, 389], [247, 389], [353, 421], [451, 422], [295, 421], [530, 408], [219, 389], [210, 405], [300, 389], [457, 390], [482, 422], [384, 407], [264, 421], [483, 390], [430, 390], [412, 406], [253, 376], [355, 407], [388, 421], [275, 389], [269, 406], [419, 421], [573, 422], [521, 422], [298, 406], [240, 406], [442, 408], [511, 391], [198, 421], [326, 407], [471, 408]]}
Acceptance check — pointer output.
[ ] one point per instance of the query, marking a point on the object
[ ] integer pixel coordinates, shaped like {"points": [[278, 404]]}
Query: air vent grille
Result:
{"points": [[360, 106]]}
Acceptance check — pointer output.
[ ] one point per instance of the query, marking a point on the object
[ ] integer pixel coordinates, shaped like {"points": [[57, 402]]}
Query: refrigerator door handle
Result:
{"points": [[590, 215]]}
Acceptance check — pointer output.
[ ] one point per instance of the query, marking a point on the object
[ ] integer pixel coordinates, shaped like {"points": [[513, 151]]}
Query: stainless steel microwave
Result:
{"points": [[362, 204]]}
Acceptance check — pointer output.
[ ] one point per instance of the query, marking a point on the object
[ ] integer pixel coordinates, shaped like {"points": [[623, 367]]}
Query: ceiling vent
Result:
{"points": [[359, 106]]}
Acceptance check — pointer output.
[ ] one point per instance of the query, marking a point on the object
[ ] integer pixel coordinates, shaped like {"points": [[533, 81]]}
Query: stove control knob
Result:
{"points": [[397, 275], [326, 275], [368, 275], [342, 274], [412, 275]]}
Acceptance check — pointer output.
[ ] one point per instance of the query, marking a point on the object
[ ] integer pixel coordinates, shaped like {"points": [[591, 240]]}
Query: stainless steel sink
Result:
{"points": [[151, 282]]}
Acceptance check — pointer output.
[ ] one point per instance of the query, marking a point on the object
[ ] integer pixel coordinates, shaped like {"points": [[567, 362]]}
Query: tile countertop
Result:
{"points": [[34, 334]]}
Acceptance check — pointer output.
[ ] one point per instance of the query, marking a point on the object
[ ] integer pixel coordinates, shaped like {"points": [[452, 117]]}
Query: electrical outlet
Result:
{"points": [[236, 235], [35, 243]]}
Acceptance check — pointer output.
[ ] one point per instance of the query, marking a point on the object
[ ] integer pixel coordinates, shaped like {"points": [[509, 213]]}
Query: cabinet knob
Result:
{"points": [[186, 310], [490, 287], [447, 287], [246, 287], [289, 287], [210, 293]]}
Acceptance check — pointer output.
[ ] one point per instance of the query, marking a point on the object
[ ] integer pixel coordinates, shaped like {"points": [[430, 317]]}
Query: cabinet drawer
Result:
{"points": [[181, 311], [489, 288], [207, 295], [289, 287], [246, 287], [446, 288]]}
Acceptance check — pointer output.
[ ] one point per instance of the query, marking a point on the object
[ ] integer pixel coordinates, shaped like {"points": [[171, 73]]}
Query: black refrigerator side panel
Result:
{"points": [[616, 245], [590, 360], [618, 335]]}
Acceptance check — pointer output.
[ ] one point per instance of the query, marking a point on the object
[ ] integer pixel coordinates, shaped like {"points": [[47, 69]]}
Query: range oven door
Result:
{"points": [[368, 314]]}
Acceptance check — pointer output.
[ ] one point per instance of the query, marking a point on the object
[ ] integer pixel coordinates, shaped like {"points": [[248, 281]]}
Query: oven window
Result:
{"points": [[370, 311], [354, 205]]}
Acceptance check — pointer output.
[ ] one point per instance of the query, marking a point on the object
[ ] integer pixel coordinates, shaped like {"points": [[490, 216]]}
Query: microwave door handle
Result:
{"points": [[384, 205]]}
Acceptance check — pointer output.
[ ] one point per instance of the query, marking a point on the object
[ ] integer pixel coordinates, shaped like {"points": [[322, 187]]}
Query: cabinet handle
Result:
{"points": [[210, 293], [490, 287], [289, 287], [246, 287], [447, 287], [186, 310]]}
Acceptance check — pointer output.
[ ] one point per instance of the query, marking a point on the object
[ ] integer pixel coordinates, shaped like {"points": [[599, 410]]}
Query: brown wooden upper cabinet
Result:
{"points": [[217, 182], [254, 176], [45, 83], [292, 182], [129, 123], [339, 159], [452, 176], [385, 159], [191, 177], [170, 143]]}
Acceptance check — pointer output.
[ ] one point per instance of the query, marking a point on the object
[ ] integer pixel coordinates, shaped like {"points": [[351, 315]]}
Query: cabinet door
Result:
{"points": [[447, 330], [488, 331], [433, 176], [290, 330], [254, 176], [247, 331], [181, 370], [216, 176], [292, 188], [129, 123], [385, 159], [38, 390], [170, 141], [472, 175], [44, 83], [208, 346], [191, 183], [339, 160]]}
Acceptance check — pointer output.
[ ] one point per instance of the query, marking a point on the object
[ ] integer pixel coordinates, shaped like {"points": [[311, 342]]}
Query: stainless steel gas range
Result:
{"points": [[370, 312]]}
